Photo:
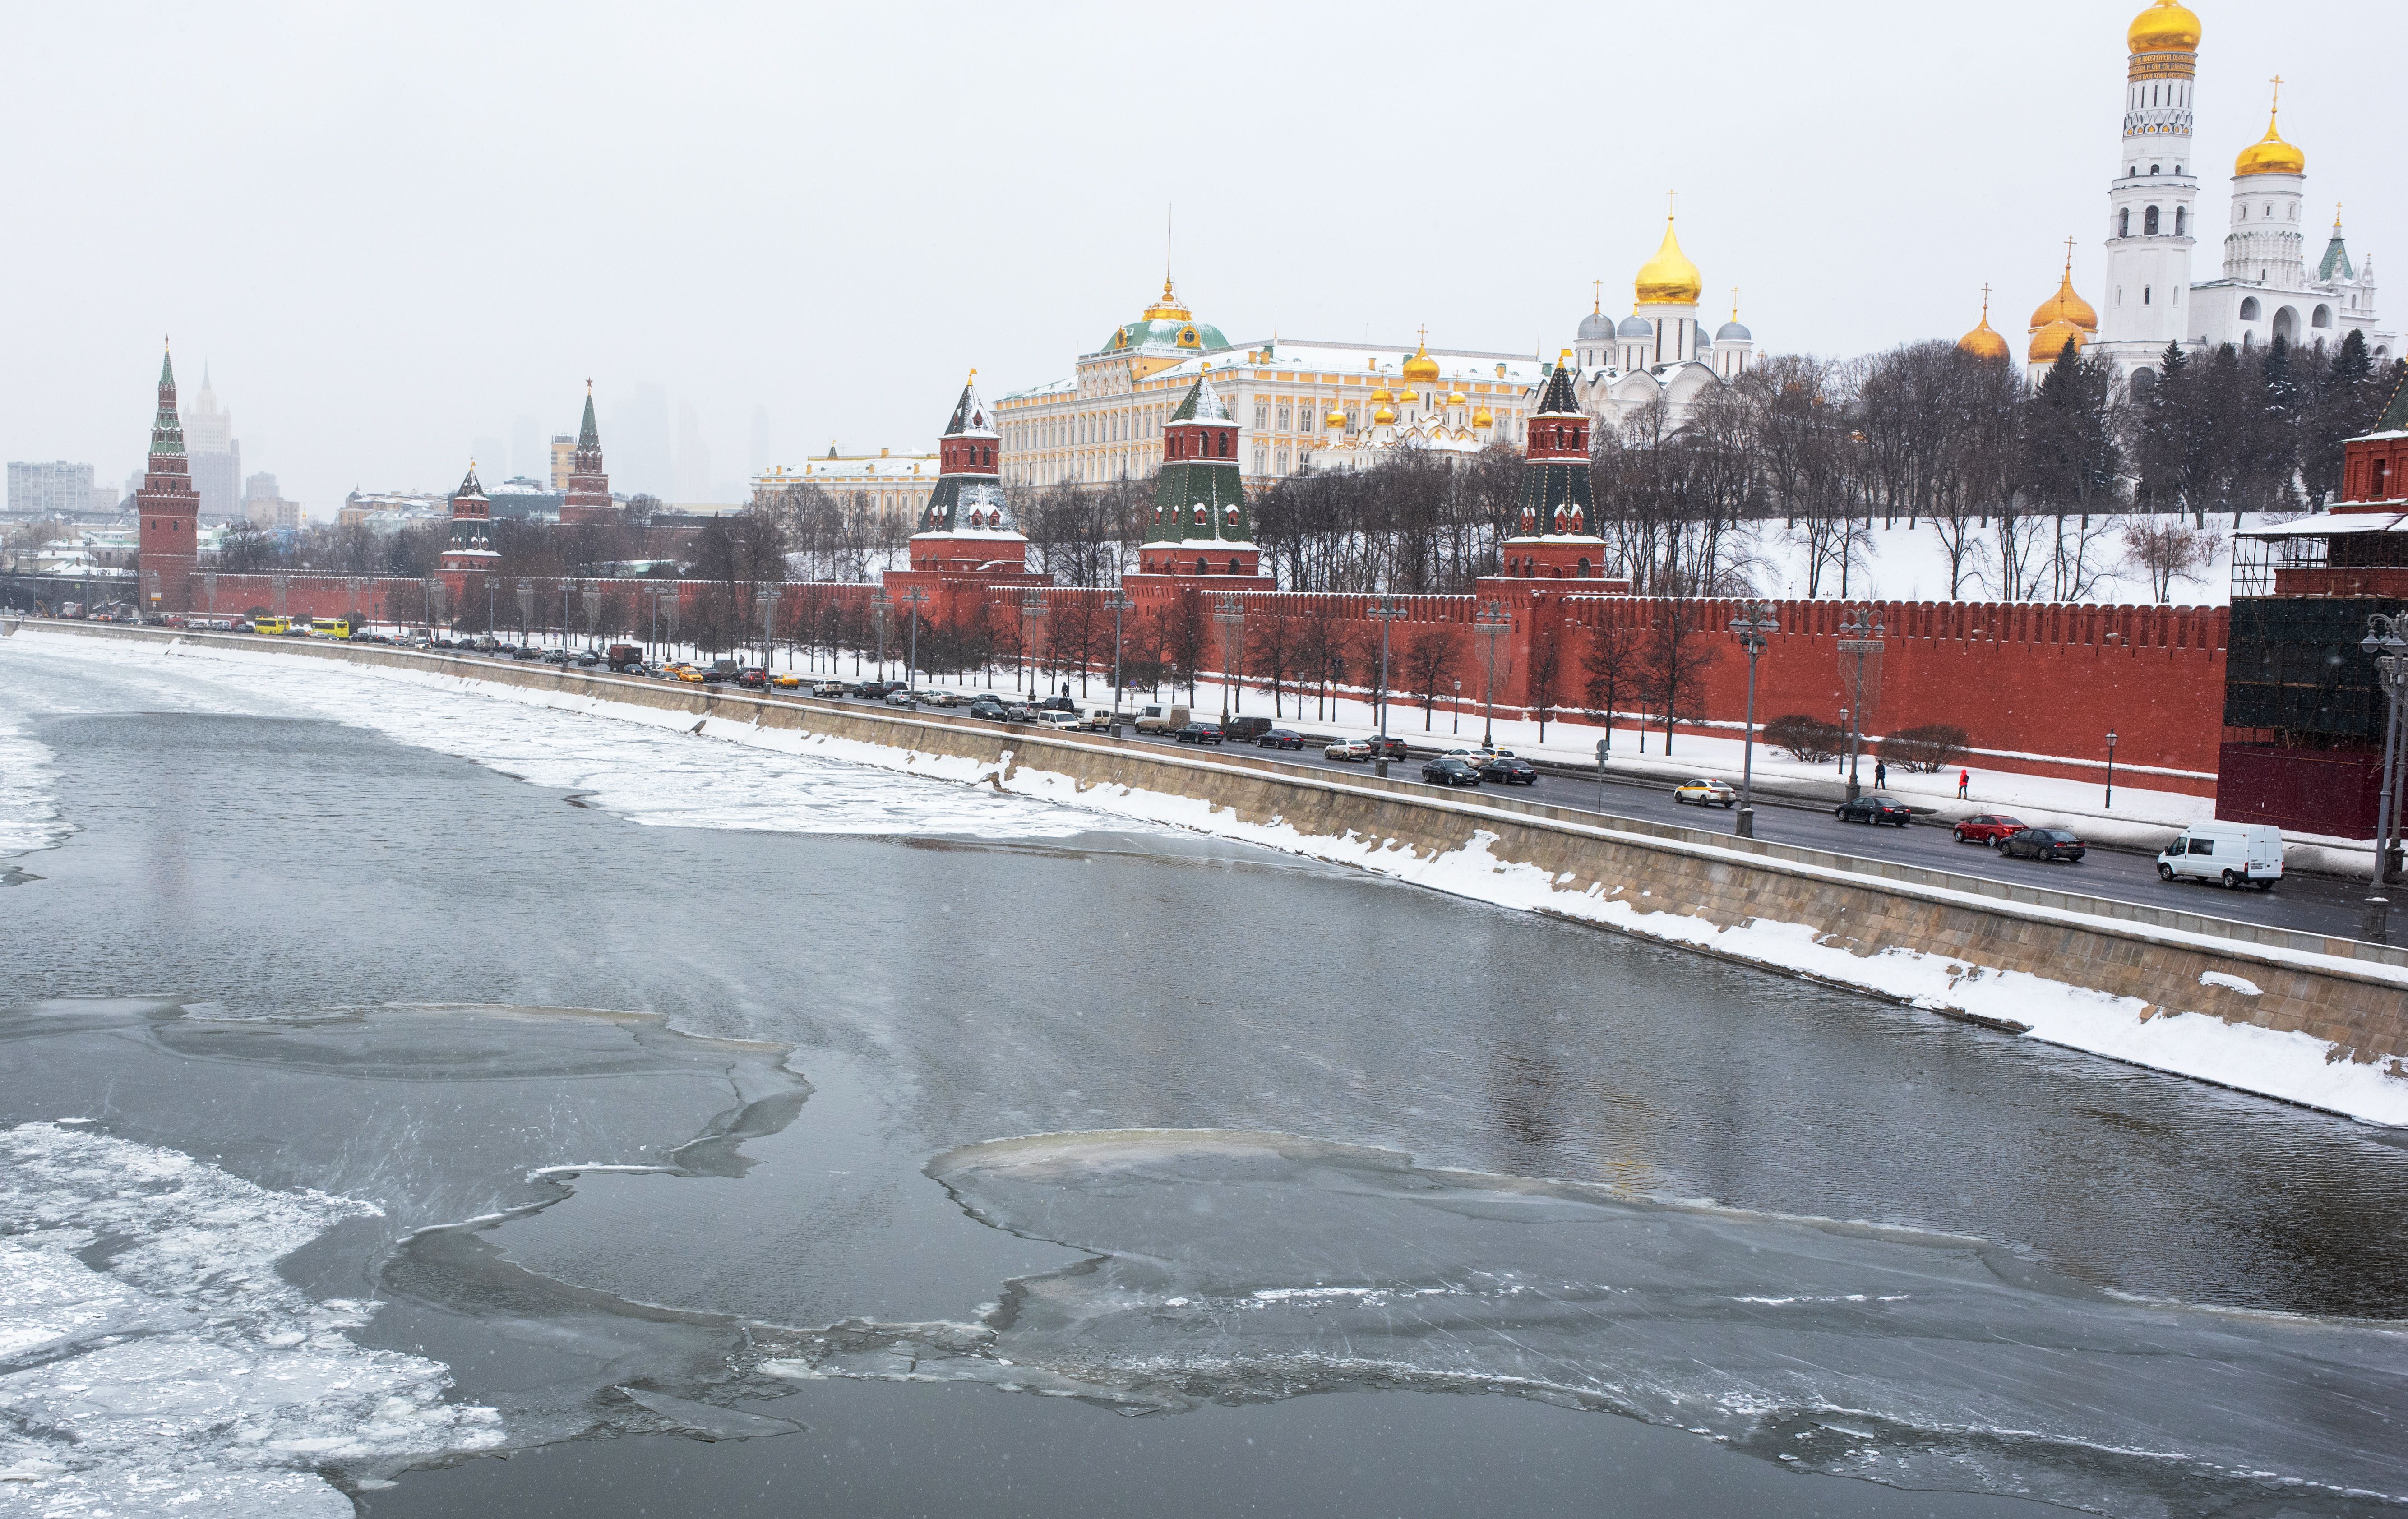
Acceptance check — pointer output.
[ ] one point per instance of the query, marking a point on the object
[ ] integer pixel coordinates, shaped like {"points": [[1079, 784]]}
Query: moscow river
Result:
{"points": [[395, 1077]]}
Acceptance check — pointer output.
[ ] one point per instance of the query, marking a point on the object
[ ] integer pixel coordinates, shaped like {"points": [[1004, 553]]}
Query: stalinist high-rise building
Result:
{"points": [[2268, 288]]}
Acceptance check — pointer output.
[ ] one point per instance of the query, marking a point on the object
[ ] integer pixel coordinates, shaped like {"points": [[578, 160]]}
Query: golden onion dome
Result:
{"points": [[1457, 398], [2048, 343], [2270, 154], [2065, 305], [2166, 26], [1986, 341], [1383, 394], [1335, 419], [1482, 418], [1384, 415], [1420, 367], [1669, 279]]}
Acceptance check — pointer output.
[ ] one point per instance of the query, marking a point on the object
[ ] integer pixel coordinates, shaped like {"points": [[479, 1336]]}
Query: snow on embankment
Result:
{"points": [[2173, 1030]]}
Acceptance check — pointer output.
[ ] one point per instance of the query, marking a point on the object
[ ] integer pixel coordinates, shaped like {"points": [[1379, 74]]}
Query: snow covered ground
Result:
{"points": [[1909, 562], [563, 735]]}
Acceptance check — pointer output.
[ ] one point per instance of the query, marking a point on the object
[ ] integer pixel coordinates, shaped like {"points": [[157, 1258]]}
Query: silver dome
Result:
{"points": [[1635, 326], [1595, 327], [1732, 332]]}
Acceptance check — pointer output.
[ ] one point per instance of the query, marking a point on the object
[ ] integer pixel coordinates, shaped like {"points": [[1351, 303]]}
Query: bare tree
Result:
{"points": [[1428, 666]]}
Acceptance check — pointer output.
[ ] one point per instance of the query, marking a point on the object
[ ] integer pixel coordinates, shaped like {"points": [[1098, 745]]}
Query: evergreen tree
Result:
{"points": [[2344, 401]]}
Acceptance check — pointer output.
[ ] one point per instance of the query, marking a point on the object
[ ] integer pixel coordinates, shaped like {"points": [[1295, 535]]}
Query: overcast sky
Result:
{"points": [[393, 231]]}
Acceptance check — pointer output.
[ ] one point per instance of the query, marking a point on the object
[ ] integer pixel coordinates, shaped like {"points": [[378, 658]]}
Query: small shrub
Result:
{"points": [[1933, 747], [1811, 739]]}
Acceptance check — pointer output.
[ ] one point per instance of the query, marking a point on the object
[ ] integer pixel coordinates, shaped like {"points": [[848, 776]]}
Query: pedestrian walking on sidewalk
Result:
{"points": [[1880, 775], [1964, 782]]}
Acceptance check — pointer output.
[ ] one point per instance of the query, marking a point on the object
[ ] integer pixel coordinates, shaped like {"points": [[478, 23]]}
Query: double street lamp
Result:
{"points": [[1387, 611], [1755, 622], [1230, 612], [1119, 603], [879, 604], [1491, 623], [912, 601], [1860, 633], [2386, 639], [1032, 620]]}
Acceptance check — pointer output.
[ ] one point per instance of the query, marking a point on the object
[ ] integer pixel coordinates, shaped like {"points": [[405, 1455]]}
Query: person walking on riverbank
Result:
{"points": [[1964, 782]]}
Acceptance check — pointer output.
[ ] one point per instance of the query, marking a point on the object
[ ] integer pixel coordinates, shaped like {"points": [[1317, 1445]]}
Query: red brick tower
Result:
{"points": [[169, 509], [589, 488], [1554, 527], [470, 548]]}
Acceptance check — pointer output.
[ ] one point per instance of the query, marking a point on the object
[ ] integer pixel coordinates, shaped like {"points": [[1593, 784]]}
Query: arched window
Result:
{"points": [[2321, 318], [2149, 222], [2153, 168], [2145, 292], [2249, 309], [2182, 220], [2124, 222], [1233, 566]]}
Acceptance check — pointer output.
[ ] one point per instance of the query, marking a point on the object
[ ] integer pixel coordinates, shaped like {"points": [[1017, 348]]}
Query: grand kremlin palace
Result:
{"points": [[1291, 400]]}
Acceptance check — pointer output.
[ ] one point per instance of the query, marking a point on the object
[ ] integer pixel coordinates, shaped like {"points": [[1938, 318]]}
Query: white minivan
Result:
{"points": [[2232, 852]]}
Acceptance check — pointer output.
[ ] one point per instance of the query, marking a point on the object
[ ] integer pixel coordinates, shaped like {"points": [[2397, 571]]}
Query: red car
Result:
{"points": [[1988, 828]]}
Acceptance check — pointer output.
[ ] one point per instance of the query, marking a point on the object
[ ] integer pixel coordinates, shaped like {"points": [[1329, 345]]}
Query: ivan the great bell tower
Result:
{"points": [[2152, 207]]}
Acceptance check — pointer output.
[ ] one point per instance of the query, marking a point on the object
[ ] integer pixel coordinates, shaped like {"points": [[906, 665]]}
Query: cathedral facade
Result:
{"points": [[1660, 352]]}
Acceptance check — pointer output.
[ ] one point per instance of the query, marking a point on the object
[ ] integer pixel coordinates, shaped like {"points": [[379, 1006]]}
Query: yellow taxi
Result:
{"points": [[786, 682], [1707, 793]]}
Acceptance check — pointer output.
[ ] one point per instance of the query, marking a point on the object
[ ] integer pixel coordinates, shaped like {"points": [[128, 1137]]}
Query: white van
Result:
{"points": [[1161, 718], [2232, 852]]}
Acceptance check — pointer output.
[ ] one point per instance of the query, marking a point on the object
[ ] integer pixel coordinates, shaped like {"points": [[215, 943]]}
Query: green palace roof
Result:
{"points": [[1166, 325]]}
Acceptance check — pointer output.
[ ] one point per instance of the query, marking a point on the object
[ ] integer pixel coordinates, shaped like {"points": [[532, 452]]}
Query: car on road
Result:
{"points": [[828, 688], [1247, 730], [688, 674], [2232, 854], [1200, 733], [624, 656], [1062, 722], [1447, 770], [1161, 718], [1875, 808], [1349, 748], [1707, 791], [2042, 844], [1280, 739], [1388, 748], [987, 710], [901, 698], [1986, 828], [1506, 770], [754, 676]]}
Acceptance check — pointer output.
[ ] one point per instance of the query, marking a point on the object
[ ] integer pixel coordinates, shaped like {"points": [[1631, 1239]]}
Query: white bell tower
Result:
{"points": [[2152, 210]]}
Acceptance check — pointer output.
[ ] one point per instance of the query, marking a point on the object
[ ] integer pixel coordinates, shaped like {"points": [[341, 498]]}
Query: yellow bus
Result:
{"points": [[330, 627], [271, 625]]}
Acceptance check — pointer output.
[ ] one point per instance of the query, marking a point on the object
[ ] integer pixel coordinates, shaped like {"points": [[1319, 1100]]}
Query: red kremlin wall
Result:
{"points": [[2036, 686]]}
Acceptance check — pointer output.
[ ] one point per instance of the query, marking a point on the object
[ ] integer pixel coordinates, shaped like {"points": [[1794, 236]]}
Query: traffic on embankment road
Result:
{"points": [[2304, 903]]}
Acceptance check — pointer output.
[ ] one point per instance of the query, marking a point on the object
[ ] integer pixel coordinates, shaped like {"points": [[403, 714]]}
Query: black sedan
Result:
{"points": [[1876, 809], [1200, 733], [1507, 771], [991, 711], [2042, 844], [1281, 738], [1449, 771]]}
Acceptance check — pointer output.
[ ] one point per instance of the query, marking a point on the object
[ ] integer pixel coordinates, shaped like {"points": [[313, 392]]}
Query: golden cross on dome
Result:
{"points": [[1599, 303], [2336, 213], [2069, 255], [1986, 303], [1734, 303], [1670, 195], [1424, 333], [2278, 93]]}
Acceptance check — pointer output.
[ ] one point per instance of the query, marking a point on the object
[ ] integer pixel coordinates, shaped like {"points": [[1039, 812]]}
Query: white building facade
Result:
{"points": [[1659, 352], [2268, 289]]}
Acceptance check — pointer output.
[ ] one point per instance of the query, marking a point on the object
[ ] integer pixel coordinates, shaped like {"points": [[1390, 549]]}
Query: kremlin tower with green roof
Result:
{"points": [[1199, 525], [169, 508]]}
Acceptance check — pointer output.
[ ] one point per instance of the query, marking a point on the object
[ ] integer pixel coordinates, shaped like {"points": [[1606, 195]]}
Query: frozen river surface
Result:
{"points": [[392, 1076]]}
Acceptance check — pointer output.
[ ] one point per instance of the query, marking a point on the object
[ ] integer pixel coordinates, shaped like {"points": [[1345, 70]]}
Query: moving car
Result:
{"points": [[1986, 828], [1707, 791], [1200, 733], [1390, 748], [2232, 854], [688, 674], [2042, 844], [1280, 739], [830, 688], [1873, 807], [901, 698], [1447, 770], [1247, 729], [721, 671], [623, 656], [754, 676], [1349, 748], [1161, 718], [987, 709], [1507, 771]]}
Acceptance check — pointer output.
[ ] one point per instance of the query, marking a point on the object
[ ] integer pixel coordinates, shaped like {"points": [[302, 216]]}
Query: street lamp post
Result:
{"points": [[526, 606], [592, 614], [1860, 635], [1754, 621], [880, 603], [2111, 769], [1119, 603], [1387, 611], [768, 624], [2386, 639], [1032, 617], [912, 601], [1491, 623], [1230, 614]]}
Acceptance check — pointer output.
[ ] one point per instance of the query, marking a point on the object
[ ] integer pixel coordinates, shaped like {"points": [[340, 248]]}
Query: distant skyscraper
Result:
{"points": [[53, 486], [526, 450], [260, 487], [640, 442], [563, 456], [692, 456], [215, 453]]}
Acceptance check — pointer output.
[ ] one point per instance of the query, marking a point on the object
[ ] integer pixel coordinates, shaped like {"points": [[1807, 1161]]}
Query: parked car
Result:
{"points": [[1349, 748], [1707, 791], [1447, 770], [1247, 730], [2042, 844], [1986, 828], [1280, 739], [2233, 853], [1873, 807], [1200, 733], [1507, 771]]}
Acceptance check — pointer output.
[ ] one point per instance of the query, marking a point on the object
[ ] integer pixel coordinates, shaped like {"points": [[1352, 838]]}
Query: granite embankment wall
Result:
{"points": [[2353, 995]]}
